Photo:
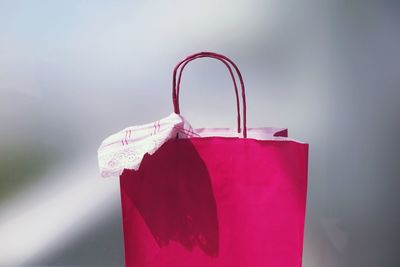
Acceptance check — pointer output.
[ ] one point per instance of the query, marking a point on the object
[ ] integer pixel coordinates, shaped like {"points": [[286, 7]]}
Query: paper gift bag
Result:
{"points": [[217, 197]]}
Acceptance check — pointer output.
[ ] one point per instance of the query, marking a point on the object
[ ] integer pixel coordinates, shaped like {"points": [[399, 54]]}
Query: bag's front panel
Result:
{"points": [[216, 202]]}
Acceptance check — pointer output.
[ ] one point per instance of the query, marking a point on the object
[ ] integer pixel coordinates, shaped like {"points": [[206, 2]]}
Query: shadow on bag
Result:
{"points": [[174, 200]]}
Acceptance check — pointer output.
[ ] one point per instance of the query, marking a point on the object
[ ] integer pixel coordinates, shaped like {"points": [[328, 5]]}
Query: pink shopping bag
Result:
{"points": [[217, 199]]}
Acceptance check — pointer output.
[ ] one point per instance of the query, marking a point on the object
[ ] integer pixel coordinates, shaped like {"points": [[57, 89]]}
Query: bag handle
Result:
{"points": [[177, 87], [223, 59]]}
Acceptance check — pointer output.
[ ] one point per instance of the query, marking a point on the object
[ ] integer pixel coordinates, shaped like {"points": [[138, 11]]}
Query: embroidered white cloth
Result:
{"points": [[126, 149]]}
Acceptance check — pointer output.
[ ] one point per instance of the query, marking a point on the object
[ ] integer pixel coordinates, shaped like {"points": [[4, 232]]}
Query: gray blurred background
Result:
{"points": [[74, 72]]}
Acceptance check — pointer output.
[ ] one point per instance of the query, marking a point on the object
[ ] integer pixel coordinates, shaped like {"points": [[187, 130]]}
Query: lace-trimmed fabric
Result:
{"points": [[126, 149]]}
